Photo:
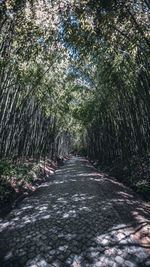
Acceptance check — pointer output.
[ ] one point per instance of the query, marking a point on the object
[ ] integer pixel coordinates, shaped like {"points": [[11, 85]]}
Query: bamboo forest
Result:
{"points": [[74, 133], [75, 78]]}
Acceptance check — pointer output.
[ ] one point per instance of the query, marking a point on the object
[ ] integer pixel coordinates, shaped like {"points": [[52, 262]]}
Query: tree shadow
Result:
{"points": [[69, 221]]}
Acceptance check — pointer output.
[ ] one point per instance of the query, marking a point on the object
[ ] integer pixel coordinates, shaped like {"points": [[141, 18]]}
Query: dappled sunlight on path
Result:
{"points": [[69, 221]]}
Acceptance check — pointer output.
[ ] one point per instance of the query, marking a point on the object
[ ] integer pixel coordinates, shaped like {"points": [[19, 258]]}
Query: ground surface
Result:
{"points": [[78, 218]]}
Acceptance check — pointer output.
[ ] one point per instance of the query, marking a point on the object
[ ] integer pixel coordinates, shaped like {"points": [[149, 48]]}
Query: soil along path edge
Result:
{"points": [[74, 220]]}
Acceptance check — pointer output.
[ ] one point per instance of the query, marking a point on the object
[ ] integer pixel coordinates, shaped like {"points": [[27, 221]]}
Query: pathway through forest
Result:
{"points": [[70, 221]]}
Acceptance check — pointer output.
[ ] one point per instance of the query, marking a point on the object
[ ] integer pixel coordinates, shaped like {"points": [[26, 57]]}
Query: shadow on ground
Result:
{"points": [[71, 221]]}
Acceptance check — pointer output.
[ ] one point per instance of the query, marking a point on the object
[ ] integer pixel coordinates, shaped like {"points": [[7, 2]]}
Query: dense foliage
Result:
{"points": [[32, 81], [75, 73]]}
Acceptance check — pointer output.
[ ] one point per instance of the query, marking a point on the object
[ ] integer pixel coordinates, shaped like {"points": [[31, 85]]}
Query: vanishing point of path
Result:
{"points": [[69, 221]]}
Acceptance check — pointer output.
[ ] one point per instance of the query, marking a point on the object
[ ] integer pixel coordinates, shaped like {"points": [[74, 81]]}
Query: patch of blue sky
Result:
{"points": [[73, 52], [74, 20], [41, 41], [84, 77], [99, 41]]}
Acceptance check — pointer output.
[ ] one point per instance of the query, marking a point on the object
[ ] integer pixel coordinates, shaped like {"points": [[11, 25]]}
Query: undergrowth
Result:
{"points": [[134, 173], [13, 176], [23, 175]]}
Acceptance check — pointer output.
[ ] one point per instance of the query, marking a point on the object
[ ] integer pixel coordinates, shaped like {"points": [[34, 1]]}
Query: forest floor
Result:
{"points": [[21, 177], [79, 217], [133, 172]]}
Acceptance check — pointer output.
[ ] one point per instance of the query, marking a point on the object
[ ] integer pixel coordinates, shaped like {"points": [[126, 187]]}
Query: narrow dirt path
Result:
{"points": [[69, 221]]}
